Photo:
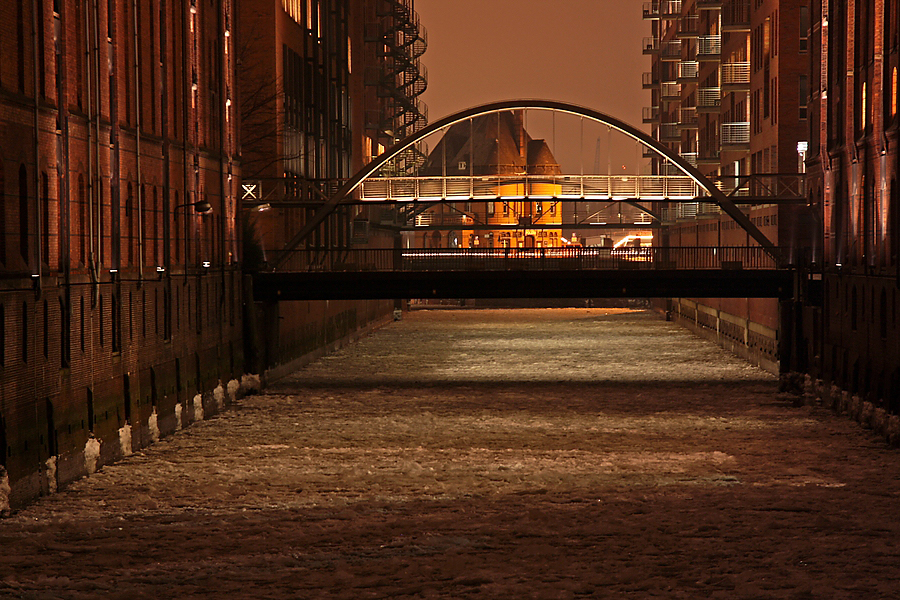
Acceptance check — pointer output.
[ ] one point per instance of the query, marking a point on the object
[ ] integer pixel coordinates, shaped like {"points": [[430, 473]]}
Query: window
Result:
{"points": [[82, 222], [129, 223], [24, 332], [2, 216], [20, 45], [804, 29], [2, 335], [803, 95], [45, 218], [23, 212], [46, 330]]}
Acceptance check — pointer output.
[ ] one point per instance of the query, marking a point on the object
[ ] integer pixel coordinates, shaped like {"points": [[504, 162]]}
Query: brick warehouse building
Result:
{"points": [[122, 313], [851, 337], [326, 86], [120, 302]]}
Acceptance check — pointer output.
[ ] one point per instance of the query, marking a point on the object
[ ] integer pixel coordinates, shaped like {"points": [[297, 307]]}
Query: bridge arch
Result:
{"points": [[717, 196]]}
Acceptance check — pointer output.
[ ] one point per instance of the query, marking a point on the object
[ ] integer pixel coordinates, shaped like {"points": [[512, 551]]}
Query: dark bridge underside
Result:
{"points": [[659, 283]]}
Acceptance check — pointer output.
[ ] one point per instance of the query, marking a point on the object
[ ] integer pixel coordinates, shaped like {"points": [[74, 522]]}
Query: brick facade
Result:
{"points": [[119, 302]]}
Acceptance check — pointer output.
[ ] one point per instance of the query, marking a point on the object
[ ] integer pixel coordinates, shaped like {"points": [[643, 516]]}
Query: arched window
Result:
{"points": [[23, 213]]}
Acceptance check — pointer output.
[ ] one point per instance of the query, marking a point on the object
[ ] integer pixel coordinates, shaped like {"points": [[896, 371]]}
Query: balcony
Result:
{"points": [[736, 16], [691, 157], [736, 77], [688, 26], [687, 117], [670, 9], [709, 47], [735, 135], [708, 156], [709, 4], [651, 114], [649, 81], [669, 132], [671, 50], [650, 45], [651, 10], [709, 99], [669, 91], [688, 71]]}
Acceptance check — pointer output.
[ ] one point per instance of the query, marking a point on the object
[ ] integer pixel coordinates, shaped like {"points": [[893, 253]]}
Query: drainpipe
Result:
{"points": [[36, 271], [92, 259], [98, 266], [137, 144]]}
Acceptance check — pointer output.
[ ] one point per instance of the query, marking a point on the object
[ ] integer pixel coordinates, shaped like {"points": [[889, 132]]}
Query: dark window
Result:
{"points": [[2, 335], [2, 216], [20, 45], [46, 330], [82, 222], [81, 317], [24, 332], [115, 318], [64, 334], [23, 212], [45, 218]]}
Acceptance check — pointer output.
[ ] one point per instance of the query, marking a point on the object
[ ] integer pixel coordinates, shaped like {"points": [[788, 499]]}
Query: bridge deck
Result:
{"points": [[527, 273], [671, 188]]}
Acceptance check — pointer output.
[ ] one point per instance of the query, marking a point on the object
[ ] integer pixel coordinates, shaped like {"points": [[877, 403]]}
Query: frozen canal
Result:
{"points": [[497, 454]]}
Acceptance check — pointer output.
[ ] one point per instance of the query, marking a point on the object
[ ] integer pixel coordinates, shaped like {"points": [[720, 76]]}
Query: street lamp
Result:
{"points": [[200, 207]]}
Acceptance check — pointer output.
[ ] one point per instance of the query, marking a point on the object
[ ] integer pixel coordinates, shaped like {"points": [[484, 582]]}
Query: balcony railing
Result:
{"points": [[649, 80], [670, 90], [691, 157], [736, 75], [688, 26], [651, 114], [688, 70], [669, 132], [651, 10], [687, 117], [709, 47], [736, 15], [735, 134], [650, 45], [670, 8], [671, 50], [709, 98]]}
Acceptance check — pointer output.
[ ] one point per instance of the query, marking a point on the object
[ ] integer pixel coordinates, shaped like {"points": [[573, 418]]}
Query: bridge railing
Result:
{"points": [[551, 259]]}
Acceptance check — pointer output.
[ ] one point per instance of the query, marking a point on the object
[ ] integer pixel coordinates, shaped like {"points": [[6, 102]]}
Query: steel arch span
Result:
{"points": [[715, 194]]}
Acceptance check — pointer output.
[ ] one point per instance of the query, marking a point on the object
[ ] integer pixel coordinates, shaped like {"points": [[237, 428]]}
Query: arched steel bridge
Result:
{"points": [[757, 271]]}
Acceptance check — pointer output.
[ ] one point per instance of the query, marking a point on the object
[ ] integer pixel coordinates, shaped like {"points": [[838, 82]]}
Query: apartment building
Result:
{"points": [[728, 85]]}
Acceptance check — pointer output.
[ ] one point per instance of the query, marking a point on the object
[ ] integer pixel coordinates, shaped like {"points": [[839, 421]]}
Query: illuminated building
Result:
{"points": [[494, 145]]}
